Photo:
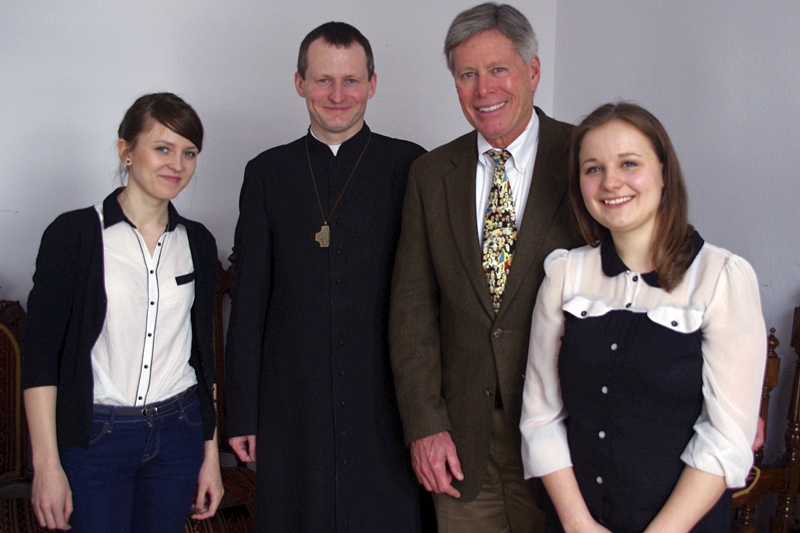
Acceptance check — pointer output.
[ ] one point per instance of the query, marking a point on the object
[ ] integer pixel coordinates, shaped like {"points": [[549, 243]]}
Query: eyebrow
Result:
{"points": [[172, 144], [624, 154]]}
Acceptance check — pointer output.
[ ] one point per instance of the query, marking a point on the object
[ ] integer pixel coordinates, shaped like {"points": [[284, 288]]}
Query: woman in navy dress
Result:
{"points": [[647, 349]]}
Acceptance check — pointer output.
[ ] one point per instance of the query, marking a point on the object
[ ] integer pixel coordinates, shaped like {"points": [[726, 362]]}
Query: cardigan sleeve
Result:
{"points": [[544, 436], [50, 302], [734, 350]]}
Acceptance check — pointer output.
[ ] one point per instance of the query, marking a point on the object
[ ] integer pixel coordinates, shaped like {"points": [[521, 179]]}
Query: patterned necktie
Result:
{"points": [[499, 230]]}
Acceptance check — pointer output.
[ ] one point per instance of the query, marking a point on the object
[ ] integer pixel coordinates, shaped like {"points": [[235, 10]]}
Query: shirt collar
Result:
{"points": [[113, 214], [613, 265], [520, 148]]}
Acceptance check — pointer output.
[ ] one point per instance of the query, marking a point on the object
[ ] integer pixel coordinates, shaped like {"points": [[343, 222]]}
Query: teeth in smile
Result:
{"points": [[491, 108], [616, 201]]}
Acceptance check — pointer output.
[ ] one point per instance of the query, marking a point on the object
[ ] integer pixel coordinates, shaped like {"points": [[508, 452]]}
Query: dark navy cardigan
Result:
{"points": [[67, 308]]}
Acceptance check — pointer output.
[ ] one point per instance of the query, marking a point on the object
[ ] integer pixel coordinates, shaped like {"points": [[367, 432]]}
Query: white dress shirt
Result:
{"points": [[519, 169], [142, 354]]}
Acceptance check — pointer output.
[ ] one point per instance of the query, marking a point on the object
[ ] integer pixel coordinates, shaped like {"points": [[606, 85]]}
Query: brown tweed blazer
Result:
{"points": [[448, 349]]}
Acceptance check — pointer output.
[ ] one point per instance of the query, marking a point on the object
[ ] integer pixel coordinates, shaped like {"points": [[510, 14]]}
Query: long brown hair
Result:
{"points": [[670, 247]]}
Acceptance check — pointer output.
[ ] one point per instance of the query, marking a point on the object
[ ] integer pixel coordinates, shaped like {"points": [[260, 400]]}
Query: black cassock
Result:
{"points": [[307, 356]]}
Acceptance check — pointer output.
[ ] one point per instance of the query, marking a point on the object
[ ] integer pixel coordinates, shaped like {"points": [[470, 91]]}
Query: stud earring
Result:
{"points": [[128, 162]]}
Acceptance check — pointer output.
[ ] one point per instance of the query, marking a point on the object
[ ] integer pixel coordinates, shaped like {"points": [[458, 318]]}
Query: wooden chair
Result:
{"points": [[781, 477], [237, 509], [16, 513], [14, 469]]}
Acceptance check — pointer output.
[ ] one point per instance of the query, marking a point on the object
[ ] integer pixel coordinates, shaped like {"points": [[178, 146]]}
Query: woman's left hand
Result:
{"points": [[209, 483]]}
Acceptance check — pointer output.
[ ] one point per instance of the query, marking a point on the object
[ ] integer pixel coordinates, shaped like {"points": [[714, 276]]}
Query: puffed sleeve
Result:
{"points": [[734, 351], [544, 434]]}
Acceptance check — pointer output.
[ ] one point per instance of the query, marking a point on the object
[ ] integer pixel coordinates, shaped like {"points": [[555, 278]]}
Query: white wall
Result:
{"points": [[723, 77], [70, 69]]}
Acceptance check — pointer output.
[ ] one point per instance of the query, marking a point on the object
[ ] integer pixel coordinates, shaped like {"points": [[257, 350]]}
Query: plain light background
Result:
{"points": [[722, 75]]}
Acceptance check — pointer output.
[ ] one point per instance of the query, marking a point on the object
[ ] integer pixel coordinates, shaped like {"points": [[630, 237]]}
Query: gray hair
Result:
{"points": [[491, 16]]}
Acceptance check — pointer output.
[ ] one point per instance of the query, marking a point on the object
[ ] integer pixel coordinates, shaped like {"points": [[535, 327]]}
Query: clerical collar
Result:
{"points": [[352, 144], [613, 265]]}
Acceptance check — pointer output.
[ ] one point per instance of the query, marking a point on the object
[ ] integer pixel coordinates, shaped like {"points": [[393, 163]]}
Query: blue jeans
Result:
{"points": [[139, 474]]}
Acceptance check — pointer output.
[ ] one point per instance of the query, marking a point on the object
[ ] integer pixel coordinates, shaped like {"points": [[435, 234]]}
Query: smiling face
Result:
{"points": [[621, 179], [336, 88], [161, 162], [495, 86]]}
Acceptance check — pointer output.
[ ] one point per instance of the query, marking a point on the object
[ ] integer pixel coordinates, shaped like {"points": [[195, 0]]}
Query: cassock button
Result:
{"points": [[604, 390], [614, 347], [599, 480], [497, 333], [602, 434]]}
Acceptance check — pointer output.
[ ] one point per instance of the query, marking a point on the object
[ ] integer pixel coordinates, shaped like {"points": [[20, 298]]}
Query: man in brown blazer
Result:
{"points": [[460, 313]]}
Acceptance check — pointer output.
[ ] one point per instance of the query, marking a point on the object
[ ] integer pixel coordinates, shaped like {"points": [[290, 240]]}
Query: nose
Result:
{"points": [[337, 92], [612, 180], [176, 161], [483, 85]]}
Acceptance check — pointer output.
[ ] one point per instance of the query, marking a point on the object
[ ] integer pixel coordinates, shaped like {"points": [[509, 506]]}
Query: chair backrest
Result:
{"points": [[781, 477], [13, 433]]}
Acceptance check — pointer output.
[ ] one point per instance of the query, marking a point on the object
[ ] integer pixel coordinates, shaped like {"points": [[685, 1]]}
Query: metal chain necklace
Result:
{"points": [[323, 236]]}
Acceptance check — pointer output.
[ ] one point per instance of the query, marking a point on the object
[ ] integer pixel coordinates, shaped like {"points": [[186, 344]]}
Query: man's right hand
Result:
{"points": [[245, 447], [435, 462]]}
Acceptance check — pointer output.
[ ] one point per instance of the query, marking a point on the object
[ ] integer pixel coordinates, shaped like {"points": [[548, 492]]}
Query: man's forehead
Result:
{"points": [[485, 47], [354, 46], [324, 56]]}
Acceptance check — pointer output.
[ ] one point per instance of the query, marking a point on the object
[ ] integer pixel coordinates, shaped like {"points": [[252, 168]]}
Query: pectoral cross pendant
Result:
{"points": [[323, 236]]}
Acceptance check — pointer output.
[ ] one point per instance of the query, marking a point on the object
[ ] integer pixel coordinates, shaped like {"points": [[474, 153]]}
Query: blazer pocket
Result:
{"points": [[186, 278]]}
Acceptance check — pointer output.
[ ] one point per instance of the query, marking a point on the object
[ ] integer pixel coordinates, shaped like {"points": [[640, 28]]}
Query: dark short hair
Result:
{"points": [[340, 35], [670, 247], [491, 16], [167, 109]]}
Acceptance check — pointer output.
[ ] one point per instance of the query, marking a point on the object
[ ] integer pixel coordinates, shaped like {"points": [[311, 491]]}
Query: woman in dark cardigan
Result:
{"points": [[118, 370]]}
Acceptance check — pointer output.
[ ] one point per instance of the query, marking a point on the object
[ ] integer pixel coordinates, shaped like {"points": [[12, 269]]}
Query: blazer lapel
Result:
{"points": [[544, 198], [460, 190]]}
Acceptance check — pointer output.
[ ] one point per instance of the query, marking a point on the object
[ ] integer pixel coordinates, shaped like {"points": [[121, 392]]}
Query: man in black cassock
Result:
{"points": [[309, 385]]}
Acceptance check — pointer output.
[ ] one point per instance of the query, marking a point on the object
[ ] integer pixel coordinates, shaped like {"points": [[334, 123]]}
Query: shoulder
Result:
{"points": [[714, 262], [276, 154], [199, 234], [80, 221], [399, 148], [561, 258], [551, 126], [444, 156]]}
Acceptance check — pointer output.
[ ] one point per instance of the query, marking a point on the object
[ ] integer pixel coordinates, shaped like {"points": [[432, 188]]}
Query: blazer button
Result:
{"points": [[497, 333], [488, 393]]}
